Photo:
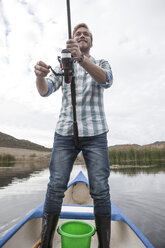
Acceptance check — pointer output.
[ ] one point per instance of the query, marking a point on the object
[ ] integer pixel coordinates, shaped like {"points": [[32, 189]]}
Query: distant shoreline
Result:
{"points": [[27, 155], [24, 155]]}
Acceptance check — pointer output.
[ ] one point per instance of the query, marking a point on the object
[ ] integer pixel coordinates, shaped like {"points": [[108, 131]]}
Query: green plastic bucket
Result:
{"points": [[76, 234]]}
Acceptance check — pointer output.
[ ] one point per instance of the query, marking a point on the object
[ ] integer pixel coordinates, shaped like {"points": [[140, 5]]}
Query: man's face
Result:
{"points": [[83, 38]]}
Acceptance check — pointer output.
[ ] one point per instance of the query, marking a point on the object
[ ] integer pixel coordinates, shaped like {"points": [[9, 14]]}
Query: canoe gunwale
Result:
{"points": [[36, 213]]}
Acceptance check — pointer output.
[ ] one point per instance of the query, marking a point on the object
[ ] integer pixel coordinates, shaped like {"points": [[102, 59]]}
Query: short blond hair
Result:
{"points": [[84, 26]]}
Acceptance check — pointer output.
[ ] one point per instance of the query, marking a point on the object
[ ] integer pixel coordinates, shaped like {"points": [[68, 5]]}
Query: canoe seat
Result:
{"points": [[77, 212]]}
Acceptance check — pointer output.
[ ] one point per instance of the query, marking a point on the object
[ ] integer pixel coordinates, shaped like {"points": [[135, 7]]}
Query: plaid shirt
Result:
{"points": [[89, 101]]}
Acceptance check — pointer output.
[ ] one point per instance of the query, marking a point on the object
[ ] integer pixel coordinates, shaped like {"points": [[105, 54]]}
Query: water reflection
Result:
{"points": [[135, 170], [11, 171], [11, 164]]}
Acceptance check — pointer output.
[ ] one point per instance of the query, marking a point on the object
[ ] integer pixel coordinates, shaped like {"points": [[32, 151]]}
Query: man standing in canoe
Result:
{"points": [[91, 78]]}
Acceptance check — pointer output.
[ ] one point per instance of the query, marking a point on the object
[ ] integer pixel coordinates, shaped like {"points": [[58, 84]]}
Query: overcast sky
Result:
{"points": [[130, 34]]}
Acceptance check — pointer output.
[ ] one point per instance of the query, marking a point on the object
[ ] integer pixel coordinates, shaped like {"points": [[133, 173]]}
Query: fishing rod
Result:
{"points": [[69, 19], [67, 67], [66, 60]]}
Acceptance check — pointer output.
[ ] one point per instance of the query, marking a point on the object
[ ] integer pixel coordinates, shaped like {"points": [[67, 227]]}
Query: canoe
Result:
{"points": [[77, 205]]}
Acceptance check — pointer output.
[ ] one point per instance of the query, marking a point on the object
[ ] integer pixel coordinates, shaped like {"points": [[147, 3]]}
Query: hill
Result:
{"points": [[11, 142], [157, 144]]}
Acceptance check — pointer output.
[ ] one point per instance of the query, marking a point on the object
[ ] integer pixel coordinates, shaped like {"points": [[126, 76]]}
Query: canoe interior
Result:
{"points": [[122, 236], [78, 194]]}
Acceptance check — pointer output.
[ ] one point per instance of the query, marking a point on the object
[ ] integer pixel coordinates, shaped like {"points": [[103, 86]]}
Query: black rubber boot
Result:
{"points": [[49, 223], [103, 228]]}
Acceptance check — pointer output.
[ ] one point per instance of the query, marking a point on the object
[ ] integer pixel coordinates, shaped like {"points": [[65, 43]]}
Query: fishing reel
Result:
{"points": [[66, 63]]}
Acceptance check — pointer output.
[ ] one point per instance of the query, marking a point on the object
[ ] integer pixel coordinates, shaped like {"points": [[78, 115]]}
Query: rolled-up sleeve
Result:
{"points": [[106, 66], [50, 87], [54, 83]]}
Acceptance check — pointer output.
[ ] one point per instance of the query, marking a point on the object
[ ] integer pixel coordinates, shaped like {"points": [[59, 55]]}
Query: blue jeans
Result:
{"points": [[95, 152]]}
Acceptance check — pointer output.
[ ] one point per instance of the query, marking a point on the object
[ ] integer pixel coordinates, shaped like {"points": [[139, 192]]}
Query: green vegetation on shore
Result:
{"points": [[137, 156], [6, 158]]}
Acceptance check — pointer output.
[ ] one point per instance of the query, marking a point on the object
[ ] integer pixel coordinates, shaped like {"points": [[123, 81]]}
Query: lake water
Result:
{"points": [[139, 193]]}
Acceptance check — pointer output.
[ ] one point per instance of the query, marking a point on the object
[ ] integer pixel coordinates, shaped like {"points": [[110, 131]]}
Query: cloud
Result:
{"points": [[129, 34]]}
